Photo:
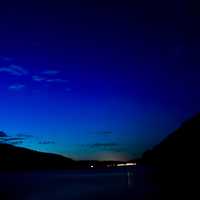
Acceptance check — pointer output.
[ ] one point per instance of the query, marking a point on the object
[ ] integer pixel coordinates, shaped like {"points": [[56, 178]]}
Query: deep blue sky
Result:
{"points": [[97, 79]]}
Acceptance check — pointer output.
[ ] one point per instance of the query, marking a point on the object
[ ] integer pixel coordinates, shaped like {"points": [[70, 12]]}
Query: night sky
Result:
{"points": [[97, 79]]}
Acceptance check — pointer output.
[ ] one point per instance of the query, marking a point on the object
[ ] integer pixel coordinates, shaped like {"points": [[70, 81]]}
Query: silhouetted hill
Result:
{"points": [[17, 158], [176, 161], [179, 148], [12, 157]]}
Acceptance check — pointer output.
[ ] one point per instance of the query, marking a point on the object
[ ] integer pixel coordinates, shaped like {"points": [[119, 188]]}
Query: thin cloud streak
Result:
{"points": [[104, 133], [10, 71], [24, 135], [3, 134], [47, 80], [51, 72], [16, 87], [104, 145], [20, 139], [19, 69], [14, 70], [46, 142], [38, 78], [13, 139], [57, 80]]}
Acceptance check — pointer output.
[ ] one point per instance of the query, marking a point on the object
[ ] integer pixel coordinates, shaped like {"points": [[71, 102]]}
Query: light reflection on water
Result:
{"points": [[73, 185]]}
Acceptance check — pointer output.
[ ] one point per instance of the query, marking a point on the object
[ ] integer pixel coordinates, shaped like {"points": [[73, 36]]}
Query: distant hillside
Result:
{"points": [[175, 162], [17, 158], [12, 157], [179, 148]]}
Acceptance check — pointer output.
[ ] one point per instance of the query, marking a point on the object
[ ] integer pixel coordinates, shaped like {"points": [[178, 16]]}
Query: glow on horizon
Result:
{"points": [[126, 164]]}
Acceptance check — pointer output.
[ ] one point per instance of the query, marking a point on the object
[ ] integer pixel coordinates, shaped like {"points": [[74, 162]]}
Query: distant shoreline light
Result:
{"points": [[126, 164]]}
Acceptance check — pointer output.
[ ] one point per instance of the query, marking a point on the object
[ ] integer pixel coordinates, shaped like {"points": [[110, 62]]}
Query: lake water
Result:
{"points": [[123, 183]]}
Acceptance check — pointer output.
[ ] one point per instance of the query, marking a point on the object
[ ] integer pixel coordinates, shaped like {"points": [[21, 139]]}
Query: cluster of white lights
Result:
{"points": [[126, 164], [118, 165]]}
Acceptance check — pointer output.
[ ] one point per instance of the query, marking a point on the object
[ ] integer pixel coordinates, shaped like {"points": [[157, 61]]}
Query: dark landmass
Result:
{"points": [[180, 147], [14, 158], [17, 158], [176, 161]]}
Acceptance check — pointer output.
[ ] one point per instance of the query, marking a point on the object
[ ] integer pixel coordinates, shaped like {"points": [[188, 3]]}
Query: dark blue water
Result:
{"points": [[76, 185]]}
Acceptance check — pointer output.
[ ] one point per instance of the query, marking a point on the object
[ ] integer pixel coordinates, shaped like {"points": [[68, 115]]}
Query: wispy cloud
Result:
{"points": [[47, 80], [6, 139], [104, 133], [51, 72], [14, 70], [103, 145], [24, 135], [46, 142], [38, 78], [3, 134], [13, 142], [19, 69], [12, 139], [57, 80], [10, 71], [16, 87], [20, 139]]}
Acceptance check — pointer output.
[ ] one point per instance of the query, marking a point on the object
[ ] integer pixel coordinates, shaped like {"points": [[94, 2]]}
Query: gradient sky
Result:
{"points": [[97, 79]]}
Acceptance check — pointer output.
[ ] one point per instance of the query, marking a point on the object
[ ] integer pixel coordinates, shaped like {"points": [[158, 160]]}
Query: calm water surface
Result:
{"points": [[132, 183]]}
